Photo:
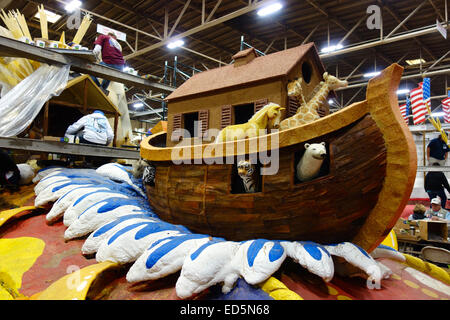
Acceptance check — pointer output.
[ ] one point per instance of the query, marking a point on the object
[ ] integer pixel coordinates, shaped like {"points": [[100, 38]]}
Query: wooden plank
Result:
{"points": [[14, 48], [67, 148]]}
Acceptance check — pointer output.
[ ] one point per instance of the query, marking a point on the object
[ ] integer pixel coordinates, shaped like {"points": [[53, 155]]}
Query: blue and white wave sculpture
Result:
{"points": [[110, 207]]}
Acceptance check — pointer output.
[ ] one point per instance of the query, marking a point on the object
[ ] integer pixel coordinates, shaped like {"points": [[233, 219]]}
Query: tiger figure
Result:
{"points": [[149, 175], [248, 174]]}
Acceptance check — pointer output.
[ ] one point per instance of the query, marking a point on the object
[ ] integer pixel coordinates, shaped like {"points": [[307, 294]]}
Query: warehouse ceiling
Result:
{"points": [[212, 31]]}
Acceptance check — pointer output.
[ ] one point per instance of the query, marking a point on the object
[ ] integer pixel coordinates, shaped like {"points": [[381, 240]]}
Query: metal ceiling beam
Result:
{"points": [[206, 25], [342, 25], [405, 77], [186, 5], [402, 24], [366, 45]]}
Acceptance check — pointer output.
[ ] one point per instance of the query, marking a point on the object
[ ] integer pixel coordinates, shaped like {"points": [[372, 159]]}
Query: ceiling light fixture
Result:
{"points": [[415, 61], [403, 91], [332, 48], [51, 16], [371, 74], [269, 9], [175, 44], [72, 6]]}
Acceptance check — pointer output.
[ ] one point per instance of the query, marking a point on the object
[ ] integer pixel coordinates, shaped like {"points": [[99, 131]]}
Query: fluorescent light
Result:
{"points": [[330, 101], [51, 16], [175, 44], [138, 105], [438, 114], [72, 6], [403, 91], [371, 74], [271, 8], [415, 61], [332, 48]]}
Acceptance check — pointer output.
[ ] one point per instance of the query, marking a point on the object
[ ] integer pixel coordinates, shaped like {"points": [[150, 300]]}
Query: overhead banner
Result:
{"points": [[105, 30]]}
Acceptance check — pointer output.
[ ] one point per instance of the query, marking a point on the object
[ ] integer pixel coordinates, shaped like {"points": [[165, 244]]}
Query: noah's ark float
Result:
{"points": [[367, 167], [364, 182]]}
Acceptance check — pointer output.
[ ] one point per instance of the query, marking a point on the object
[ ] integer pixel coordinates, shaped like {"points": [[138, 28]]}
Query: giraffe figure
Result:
{"points": [[307, 112]]}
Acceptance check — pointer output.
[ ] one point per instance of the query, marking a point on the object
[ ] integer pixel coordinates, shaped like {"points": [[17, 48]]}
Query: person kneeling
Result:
{"points": [[92, 129]]}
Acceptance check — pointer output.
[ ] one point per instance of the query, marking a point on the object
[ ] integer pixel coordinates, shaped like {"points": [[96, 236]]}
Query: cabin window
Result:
{"points": [[189, 120], [307, 71], [243, 113], [238, 183], [324, 169]]}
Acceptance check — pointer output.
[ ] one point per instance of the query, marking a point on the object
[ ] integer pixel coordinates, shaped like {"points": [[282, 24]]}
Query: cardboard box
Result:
{"points": [[433, 230], [403, 232]]}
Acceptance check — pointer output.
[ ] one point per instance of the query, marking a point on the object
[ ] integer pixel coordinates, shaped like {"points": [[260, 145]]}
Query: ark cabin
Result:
{"points": [[232, 94]]}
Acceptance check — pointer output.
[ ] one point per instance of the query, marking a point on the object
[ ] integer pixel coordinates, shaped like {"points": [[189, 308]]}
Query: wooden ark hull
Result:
{"points": [[368, 177]]}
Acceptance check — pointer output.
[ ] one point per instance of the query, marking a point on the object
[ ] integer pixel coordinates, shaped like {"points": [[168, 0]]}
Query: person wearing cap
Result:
{"points": [[436, 212], [435, 185], [109, 51], [93, 128], [437, 151]]}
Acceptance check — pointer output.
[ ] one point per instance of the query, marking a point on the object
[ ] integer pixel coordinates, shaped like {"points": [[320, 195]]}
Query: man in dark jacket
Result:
{"points": [[437, 151], [9, 172], [435, 182]]}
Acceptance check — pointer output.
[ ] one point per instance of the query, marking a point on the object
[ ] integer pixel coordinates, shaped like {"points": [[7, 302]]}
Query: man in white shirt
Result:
{"points": [[92, 129]]}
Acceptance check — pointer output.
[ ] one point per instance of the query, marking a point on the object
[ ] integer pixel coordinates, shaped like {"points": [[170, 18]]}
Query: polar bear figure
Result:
{"points": [[309, 165]]}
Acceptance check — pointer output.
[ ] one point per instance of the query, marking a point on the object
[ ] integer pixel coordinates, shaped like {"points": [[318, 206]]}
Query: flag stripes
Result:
{"points": [[446, 109], [418, 106]]}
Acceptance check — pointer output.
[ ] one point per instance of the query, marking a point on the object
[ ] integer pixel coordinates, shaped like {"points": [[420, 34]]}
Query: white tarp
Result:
{"points": [[21, 105]]}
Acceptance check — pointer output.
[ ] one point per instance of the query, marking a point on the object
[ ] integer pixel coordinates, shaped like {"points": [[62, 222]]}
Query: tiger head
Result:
{"points": [[245, 168]]}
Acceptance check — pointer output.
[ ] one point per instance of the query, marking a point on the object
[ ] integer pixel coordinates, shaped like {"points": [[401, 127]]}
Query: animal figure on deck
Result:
{"points": [[149, 175], [145, 171], [307, 112], [268, 117], [309, 165], [294, 89], [248, 174]]}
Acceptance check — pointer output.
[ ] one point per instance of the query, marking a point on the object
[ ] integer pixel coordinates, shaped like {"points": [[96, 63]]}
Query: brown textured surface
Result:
{"points": [[199, 195], [151, 151], [401, 163], [402, 158], [263, 67]]}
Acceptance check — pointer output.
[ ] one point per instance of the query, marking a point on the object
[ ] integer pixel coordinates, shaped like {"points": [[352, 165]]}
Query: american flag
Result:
{"points": [[404, 109], [446, 108], [419, 109]]}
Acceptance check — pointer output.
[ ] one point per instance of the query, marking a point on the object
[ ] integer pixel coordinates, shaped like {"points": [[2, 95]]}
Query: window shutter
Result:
{"points": [[203, 117], [323, 111], [293, 105], [259, 104], [226, 116], [176, 125]]}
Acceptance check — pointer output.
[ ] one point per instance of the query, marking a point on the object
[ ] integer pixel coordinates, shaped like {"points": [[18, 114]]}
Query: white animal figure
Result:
{"points": [[247, 172], [309, 165], [27, 173]]}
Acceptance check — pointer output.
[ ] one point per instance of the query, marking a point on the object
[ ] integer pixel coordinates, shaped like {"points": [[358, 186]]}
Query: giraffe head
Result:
{"points": [[333, 82], [295, 87]]}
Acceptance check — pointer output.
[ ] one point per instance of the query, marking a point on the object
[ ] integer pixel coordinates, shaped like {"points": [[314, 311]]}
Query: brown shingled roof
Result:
{"points": [[274, 65]]}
